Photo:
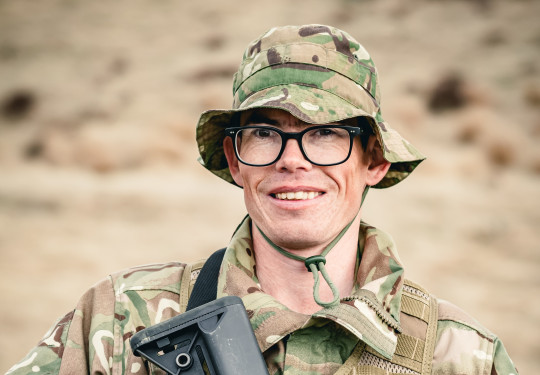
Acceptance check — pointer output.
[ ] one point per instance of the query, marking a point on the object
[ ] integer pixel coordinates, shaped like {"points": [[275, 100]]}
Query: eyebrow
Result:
{"points": [[257, 118]]}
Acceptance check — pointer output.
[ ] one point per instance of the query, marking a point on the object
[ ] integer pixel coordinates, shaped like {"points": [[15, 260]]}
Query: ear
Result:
{"points": [[377, 164], [232, 160]]}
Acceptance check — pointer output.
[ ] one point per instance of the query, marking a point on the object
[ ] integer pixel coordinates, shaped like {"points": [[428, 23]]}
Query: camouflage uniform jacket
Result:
{"points": [[387, 325]]}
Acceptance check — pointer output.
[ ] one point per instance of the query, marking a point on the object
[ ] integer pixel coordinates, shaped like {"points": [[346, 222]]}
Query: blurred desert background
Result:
{"points": [[98, 171]]}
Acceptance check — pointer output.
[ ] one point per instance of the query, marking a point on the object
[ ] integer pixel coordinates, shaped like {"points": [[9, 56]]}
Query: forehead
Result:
{"points": [[279, 117]]}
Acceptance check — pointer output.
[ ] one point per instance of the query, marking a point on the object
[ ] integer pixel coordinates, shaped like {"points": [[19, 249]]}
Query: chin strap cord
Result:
{"points": [[315, 264]]}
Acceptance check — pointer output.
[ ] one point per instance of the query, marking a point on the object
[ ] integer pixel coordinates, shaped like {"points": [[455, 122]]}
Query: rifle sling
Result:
{"points": [[205, 288]]}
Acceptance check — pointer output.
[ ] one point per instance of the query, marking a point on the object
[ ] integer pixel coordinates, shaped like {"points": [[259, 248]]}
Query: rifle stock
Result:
{"points": [[212, 339]]}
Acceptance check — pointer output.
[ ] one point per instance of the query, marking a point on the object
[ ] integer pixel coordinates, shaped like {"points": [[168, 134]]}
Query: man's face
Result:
{"points": [[297, 204]]}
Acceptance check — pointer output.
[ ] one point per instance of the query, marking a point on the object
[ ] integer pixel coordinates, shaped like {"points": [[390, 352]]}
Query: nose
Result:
{"points": [[292, 158]]}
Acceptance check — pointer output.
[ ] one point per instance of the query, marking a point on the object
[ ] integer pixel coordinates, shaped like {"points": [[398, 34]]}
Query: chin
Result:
{"points": [[295, 238]]}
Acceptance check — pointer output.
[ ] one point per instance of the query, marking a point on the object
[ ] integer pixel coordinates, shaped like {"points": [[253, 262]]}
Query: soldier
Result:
{"points": [[325, 291]]}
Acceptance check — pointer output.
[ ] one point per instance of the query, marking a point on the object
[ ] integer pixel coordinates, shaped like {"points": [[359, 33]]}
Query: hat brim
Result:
{"points": [[314, 106]]}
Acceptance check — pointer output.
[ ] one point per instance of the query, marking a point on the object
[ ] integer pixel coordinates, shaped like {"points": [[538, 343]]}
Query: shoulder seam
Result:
{"points": [[473, 324]]}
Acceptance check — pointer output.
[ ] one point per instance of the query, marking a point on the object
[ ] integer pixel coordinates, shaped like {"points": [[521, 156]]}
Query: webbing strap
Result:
{"points": [[412, 348], [205, 288], [431, 336]]}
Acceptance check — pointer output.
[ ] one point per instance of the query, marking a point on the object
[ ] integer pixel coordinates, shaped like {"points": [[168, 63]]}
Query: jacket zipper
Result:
{"points": [[378, 310]]}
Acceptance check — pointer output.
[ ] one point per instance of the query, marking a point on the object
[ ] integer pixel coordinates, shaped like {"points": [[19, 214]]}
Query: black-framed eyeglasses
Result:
{"points": [[322, 145]]}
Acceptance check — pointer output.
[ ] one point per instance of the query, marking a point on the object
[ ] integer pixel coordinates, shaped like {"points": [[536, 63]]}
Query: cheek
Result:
{"points": [[251, 178], [351, 178], [353, 183], [359, 166]]}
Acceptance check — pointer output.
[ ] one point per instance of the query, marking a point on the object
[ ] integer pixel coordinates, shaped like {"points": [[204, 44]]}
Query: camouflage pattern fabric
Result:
{"points": [[320, 75], [365, 334]]}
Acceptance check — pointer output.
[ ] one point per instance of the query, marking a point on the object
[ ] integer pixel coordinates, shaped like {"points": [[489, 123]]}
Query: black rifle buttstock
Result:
{"points": [[213, 339]]}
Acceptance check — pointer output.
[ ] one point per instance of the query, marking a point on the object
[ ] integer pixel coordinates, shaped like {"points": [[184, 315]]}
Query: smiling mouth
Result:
{"points": [[297, 195]]}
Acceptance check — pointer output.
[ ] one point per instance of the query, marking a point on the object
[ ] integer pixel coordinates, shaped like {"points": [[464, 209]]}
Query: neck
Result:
{"points": [[288, 280]]}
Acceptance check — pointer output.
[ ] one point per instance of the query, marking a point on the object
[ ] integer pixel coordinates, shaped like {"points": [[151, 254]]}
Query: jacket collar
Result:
{"points": [[371, 312]]}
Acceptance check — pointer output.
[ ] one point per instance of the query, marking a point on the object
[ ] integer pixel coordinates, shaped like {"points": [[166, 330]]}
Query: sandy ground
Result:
{"points": [[98, 166]]}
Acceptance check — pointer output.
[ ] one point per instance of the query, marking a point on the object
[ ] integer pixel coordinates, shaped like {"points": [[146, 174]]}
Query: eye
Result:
{"points": [[259, 135], [331, 134], [262, 133], [325, 132]]}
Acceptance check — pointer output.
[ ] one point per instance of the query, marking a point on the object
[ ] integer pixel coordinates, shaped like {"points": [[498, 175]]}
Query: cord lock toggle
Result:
{"points": [[315, 260]]}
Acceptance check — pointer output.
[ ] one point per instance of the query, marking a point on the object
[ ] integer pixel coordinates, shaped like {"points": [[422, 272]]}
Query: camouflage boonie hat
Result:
{"points": [[320, 75]]}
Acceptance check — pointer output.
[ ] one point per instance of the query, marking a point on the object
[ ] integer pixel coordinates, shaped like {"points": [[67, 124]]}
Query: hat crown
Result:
{"points": [[321, 50]]}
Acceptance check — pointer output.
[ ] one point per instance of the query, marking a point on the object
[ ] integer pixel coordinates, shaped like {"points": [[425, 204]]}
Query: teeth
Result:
{"points": [[298, 195]]}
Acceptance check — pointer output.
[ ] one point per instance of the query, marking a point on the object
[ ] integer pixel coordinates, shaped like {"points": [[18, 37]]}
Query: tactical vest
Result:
{"points": [[415, 345]]}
